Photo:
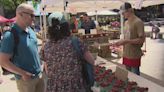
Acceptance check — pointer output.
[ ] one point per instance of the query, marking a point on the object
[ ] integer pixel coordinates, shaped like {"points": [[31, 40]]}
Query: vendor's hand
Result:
{"points": [[121, 42]]}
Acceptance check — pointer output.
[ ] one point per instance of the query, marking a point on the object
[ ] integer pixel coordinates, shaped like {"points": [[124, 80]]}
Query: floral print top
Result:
{"points": [[64, 68]]}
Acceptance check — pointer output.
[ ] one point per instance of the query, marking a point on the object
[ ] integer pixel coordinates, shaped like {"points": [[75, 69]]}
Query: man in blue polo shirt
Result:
{"points": [[26, 64]]}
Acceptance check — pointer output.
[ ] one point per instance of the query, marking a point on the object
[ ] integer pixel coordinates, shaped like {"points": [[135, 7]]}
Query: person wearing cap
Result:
{"points": [[23, 60], [134, 37], [64, 69]]}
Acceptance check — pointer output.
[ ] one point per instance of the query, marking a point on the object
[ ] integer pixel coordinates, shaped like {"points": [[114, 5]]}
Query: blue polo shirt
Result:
{"points": [[27, 49]]}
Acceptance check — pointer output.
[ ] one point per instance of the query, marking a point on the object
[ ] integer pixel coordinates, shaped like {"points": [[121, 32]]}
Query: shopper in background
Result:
{"points": [[134, 37], [21, 57], [80, 21], [87, 24], [155, 31], [64, 69], [74, 24]]}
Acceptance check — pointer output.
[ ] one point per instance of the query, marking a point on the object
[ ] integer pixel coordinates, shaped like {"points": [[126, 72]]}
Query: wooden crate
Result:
{"points": [[104, 51]]}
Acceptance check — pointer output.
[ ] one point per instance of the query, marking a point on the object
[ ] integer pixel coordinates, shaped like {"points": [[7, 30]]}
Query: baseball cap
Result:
{"points": [[125, 7], [57, 15]]}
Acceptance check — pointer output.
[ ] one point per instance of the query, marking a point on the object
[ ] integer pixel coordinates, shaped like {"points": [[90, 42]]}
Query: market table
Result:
{"points": [[152, 87]]}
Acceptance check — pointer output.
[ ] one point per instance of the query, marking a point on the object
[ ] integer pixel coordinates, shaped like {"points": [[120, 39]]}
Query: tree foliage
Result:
{"points": [[10, 6]]}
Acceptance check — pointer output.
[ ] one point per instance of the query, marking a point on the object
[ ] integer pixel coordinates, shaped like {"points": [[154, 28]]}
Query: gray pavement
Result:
{"points": [[153, 61], [8, 84], [152, 64]]}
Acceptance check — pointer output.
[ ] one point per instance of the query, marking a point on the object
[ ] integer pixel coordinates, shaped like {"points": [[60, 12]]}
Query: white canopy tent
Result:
{"points": [[102, 12], [92, 5], [74, 6]]}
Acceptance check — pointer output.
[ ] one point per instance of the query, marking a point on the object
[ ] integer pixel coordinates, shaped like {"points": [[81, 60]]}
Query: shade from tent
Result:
{"points": [[103, 12]]}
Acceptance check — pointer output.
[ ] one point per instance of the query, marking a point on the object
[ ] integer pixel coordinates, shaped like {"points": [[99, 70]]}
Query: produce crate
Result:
{"points": [[104, 51]]}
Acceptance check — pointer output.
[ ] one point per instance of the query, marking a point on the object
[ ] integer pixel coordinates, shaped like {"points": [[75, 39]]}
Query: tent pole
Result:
{"points": [[44, 21], [45, 24], [65, 7], [96, 9], [40, 17], [96, 15], [122, 26]]}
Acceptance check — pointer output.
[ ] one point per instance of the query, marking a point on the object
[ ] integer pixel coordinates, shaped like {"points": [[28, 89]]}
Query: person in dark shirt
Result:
{"points": [[87, 24]]}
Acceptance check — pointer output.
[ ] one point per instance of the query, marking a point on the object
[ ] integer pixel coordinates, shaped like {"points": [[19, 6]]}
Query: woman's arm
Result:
{"points": [[89, 57]]}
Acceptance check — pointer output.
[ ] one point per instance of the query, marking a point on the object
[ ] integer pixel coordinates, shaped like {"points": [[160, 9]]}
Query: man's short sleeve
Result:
{"points": [[7, 43], [140, 29]]}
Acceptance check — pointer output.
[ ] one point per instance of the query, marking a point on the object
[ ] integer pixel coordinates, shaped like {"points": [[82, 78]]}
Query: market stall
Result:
{"points": [[99, 43], [74, 6]]}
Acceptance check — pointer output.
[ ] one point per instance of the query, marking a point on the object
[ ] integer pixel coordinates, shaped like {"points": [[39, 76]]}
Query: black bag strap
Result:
{"points": [[88, 71], [75, 43], [16, 41]]}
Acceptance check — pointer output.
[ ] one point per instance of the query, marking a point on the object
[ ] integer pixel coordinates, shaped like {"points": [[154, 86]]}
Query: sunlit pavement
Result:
{"points": [[8, 84], [152, 63]]}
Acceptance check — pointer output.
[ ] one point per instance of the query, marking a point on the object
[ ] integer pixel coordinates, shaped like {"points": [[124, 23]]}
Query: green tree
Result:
{"points": [[10, 6]]}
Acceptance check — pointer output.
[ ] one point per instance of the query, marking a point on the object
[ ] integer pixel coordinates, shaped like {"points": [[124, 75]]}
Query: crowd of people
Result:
{"points": [[88, 22], [84, 22], [58, 67], [61, 68]]}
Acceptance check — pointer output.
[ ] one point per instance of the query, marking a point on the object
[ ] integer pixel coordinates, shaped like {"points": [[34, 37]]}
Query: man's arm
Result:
{"points": [[7, 64], [89, 57], [139, 40], [6, 50]]}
